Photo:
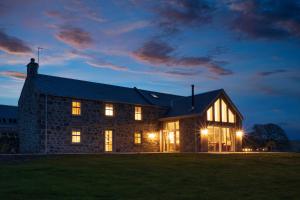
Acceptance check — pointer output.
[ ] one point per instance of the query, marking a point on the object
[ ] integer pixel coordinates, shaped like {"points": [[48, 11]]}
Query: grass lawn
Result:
{"points": [[152, 176]]}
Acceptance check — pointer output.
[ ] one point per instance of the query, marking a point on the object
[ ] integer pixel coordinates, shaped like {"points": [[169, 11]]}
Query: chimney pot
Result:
{"points": [[193, 97], [32, 68]]}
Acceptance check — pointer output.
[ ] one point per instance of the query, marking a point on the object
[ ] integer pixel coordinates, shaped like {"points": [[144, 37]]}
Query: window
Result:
{"points": [[108, 140], [138, 113], [217, 110], [76, 134], [224, 111], [109, 109], [137, 138], [210, 114], [76, 108], [231, 116]]}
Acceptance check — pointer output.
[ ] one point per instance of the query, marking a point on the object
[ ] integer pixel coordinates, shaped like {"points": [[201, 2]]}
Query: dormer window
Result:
{"points": [[109, 109]]}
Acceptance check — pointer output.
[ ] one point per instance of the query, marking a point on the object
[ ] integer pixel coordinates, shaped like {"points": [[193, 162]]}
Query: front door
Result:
{"points": [[169, 144], [108, 141]]}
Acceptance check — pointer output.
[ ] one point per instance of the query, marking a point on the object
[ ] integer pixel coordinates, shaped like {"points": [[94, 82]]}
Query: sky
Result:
{"points": [[249, 48]]}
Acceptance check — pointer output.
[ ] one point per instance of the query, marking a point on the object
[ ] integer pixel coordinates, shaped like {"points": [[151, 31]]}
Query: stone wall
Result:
{"points": [[9, 141], [93, 124], [28, 126], [188, 135]]}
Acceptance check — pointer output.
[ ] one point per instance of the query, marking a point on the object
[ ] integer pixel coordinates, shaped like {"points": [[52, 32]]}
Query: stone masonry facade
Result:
{"points": [[45, 124]]}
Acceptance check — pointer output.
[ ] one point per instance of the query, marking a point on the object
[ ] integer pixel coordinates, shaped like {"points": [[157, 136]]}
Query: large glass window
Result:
{"points": [[220, 139], [217, 110], [224, 111], [231, 116], [138, 113], [108, 140], [76, 135], [220, 112], [76, 108], [171, 136], [109, 109], [210, 114]]}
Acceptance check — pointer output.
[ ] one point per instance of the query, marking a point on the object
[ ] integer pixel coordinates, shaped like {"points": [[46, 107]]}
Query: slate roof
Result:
{"points": [[177, 105], [8, 111], [182, 106], [66, 87]]}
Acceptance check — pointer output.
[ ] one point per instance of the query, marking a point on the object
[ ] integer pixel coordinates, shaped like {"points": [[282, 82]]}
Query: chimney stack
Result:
{"points": [[193, 97], [32, 68]]}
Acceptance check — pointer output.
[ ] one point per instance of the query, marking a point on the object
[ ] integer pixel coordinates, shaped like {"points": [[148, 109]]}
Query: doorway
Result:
{"points": [[171, 137], [108, 141]]}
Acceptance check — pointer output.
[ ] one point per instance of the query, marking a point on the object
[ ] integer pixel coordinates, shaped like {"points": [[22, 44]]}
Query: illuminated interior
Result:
{"points": [[76, 108], [220, 139], [171, 136], [138, 113], [220, 112], [224, 111], [76, 135], [137, 138], [210, 114], [108, 140], [109, 109], [231, 116], [217, 110]]}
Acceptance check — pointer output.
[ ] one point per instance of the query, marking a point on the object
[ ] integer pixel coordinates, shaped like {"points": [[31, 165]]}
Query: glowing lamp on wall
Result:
{"points": [[151, 136], [204, 131], [239, 133]]}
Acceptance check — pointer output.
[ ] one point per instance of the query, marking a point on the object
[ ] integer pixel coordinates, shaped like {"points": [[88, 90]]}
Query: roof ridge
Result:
{"points": [[107, 84]]}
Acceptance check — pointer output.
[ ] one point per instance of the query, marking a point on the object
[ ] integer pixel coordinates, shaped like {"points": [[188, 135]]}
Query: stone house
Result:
{"points": [[61, 115]]}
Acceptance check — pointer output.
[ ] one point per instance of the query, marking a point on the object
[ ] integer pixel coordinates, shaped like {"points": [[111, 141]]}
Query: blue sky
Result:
{"points": [[249, 48]]}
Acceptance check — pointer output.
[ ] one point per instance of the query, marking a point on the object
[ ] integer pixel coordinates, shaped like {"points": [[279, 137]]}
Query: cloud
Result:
{"points": [[268, 73], [272, 19], [75, 37], [13, 74], [132, 26], [107, 65], [160, 53], [176, 13], [13, 45]]}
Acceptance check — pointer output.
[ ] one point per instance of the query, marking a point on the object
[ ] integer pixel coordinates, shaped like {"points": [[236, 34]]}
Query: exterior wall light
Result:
{"points": [[204, 131], [151, 136], [239, 133]]}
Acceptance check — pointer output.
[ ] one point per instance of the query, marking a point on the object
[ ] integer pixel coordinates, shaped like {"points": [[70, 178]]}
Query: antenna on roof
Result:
{"points": [[39, 48]]}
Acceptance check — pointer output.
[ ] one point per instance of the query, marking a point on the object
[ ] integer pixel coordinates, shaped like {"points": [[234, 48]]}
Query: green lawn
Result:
{"points": [[152, 176]]}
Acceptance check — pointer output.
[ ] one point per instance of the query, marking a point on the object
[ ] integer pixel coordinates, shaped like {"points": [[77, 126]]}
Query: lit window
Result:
{"points": [[217, 110], [210, 114], [76, 108], [109, 109], [224, 111], [108, 140], [231, 116], [171, 137], [137, 138], [138, 113], [177, 137], [76, 134]]}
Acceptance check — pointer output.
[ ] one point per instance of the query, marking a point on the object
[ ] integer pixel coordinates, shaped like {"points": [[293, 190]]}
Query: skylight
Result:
{"points": [[154, 96]]}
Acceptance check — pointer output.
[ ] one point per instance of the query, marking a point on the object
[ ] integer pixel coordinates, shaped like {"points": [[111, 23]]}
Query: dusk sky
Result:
{"points": [[249, 48]]}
